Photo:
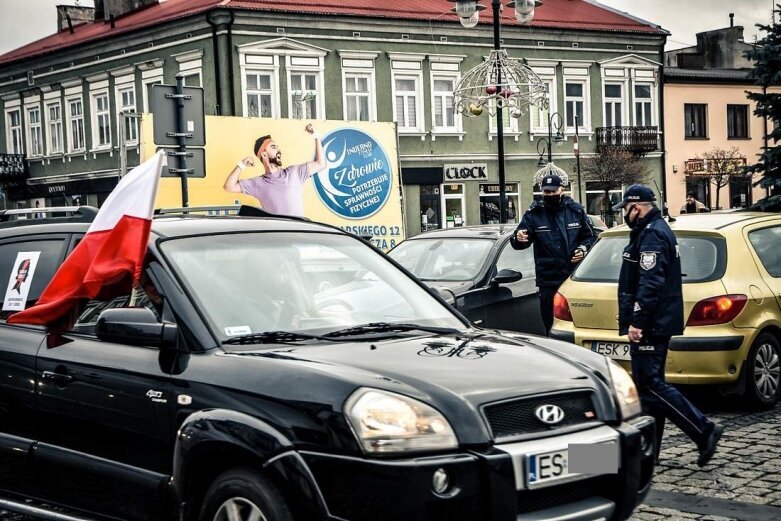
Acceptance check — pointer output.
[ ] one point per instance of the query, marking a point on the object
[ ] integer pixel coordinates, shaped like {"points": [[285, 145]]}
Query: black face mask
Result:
{"points": [[631, 218], [552, 200]]}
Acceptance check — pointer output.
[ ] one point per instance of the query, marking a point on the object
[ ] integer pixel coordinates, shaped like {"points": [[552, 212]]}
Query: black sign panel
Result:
{"points": [[196, 160], [165, 120]]}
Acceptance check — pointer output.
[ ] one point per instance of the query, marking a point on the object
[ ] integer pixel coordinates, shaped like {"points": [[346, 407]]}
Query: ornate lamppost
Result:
{"points": [[500, 82], [546, 168]]}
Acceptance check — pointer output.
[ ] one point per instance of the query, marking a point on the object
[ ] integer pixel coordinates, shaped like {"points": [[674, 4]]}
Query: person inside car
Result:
{"points": [[561, 233]]}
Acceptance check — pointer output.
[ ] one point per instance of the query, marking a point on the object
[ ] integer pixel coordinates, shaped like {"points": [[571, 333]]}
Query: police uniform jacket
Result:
{"points": [[649, 286], [555, 233]]}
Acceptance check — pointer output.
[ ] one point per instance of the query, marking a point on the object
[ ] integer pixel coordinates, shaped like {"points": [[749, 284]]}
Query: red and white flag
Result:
{"points": [[109, 258]]}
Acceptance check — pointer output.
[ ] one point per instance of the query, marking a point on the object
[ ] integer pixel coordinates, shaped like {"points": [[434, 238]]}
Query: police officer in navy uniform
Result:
{"points": [[562, 235], [650, 311]]}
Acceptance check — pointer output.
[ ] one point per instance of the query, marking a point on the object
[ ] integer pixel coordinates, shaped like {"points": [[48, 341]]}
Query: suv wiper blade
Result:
{"points": [[271, 337], [386, 327]]}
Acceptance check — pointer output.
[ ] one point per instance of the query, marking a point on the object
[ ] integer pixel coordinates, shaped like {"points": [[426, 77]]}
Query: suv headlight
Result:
{"points": [[625, 390], [386, 422]]}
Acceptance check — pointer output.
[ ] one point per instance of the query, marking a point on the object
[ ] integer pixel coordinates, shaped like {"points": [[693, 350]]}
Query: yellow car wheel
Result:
{"points": [[763, 371]]}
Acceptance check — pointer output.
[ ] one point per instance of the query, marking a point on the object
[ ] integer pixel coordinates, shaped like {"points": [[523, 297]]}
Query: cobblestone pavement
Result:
{"points": [[742, 481]]}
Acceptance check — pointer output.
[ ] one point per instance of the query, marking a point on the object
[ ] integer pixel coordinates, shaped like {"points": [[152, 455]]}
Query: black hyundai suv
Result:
{"points": [[234, 384]]}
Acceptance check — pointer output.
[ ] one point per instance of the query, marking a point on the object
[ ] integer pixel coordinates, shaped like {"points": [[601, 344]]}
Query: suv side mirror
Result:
{"points": [[506, 276], [135, 326]]}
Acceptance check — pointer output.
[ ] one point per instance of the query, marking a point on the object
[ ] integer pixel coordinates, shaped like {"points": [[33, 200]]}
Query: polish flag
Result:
{"points": [[108, 260]]}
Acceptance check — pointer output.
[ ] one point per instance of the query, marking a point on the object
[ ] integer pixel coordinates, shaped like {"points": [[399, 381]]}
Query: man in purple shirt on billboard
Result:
{"points": [[279, 190]]}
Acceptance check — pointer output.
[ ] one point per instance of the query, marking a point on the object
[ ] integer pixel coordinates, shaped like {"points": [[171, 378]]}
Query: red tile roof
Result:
{"points": [[559, 14]]}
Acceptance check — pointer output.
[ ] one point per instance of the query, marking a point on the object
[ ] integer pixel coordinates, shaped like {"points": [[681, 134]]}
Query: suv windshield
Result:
{"points": [[451, 259], [702, 259], [311, 283]]}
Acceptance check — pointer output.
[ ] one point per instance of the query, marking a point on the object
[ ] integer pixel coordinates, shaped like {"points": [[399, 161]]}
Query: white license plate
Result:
{"points": [[547, 466], [615, 350]]}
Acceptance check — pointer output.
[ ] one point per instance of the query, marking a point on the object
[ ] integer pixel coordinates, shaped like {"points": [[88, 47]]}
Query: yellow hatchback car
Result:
{"points": [[731, 265]]}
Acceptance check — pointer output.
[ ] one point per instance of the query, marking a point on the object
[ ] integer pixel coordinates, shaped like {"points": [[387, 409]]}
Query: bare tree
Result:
{"points": [[611, 169], [720, 165]]}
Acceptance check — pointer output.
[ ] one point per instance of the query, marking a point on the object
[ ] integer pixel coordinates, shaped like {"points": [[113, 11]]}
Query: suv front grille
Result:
{"points": [[516, 417]]}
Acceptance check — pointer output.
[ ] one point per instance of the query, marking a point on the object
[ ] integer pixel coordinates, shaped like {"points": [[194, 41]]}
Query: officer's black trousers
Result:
{"points": [[660, 399]]}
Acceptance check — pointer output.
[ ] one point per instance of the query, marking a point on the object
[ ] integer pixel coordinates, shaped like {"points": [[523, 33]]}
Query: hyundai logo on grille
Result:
{"points": [[550, 414]]}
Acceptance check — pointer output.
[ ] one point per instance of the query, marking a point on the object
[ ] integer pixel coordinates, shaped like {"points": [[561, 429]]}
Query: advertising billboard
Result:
{"points": [[359, 189]]}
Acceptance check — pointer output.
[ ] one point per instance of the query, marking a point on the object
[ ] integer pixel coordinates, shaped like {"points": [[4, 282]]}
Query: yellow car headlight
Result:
{"points": [[626, 392], [386, 422]]}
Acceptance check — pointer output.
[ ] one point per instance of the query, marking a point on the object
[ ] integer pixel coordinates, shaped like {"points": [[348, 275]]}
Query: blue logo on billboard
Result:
{"points": [[356, 181]]}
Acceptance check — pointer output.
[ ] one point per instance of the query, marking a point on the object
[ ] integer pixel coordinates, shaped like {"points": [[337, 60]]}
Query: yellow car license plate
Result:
{"points": [[615, 350]]}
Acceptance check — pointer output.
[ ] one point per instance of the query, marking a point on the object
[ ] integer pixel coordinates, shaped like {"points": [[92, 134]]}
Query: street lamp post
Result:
{"points": [[576, 149], [500, 82], [546, 168], [554, 120]]}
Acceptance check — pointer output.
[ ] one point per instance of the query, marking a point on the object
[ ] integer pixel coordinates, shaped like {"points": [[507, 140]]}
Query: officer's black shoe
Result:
{"points": [[709, 447]]}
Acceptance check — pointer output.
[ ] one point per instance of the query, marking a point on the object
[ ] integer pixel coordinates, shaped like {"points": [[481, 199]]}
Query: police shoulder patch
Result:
{"points": [[647, 259]]}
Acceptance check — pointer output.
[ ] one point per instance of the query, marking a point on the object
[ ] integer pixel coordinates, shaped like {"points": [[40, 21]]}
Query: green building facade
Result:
{"points": [[60, 101]]}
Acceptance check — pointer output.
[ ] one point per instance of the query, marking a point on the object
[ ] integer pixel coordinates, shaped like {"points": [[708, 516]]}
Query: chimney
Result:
{"points": [[732, 19], [77, 14], [105, 9]]}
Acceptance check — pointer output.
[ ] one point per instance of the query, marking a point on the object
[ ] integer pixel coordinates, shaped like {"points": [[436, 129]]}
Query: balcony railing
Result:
{"points": [[637, 140]]}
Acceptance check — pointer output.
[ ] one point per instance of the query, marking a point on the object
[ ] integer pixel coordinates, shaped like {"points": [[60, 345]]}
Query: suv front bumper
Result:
{"points": [[488, 485]]}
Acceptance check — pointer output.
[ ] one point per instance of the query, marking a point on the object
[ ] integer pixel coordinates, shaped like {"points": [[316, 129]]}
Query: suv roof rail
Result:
{"points": [[48, 215], [242, 211]]}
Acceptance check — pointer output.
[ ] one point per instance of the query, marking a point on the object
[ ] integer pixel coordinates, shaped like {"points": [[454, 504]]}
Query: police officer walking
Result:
{"points": [[562, 235], [650, 311]]}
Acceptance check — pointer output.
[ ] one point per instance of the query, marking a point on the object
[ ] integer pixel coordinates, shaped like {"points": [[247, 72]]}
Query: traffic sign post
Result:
{"points": [[178, 125]]}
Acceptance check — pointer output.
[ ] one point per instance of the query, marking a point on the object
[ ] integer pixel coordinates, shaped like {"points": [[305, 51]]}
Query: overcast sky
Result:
{"points": [[24, 21]]}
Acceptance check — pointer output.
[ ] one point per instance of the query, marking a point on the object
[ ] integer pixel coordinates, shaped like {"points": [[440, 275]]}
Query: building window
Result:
{"points": [[614, 104], [127, 104], [75, 125], [489, 203], [190, 67], [13, 136], [509, 123], [695, 118], [737, 121], [34, 131], [407, 106], [260, 94], [54, 125], [306, 86], [430, 207], [101, 121], [443, 103], [643, 105], [304, 92], [357, 97], [359, 92], [574, 104], [540, 115], [192, 79]]}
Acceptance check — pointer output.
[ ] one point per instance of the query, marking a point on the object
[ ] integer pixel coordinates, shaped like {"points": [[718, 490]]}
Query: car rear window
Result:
{"points": [[702, 259]]}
